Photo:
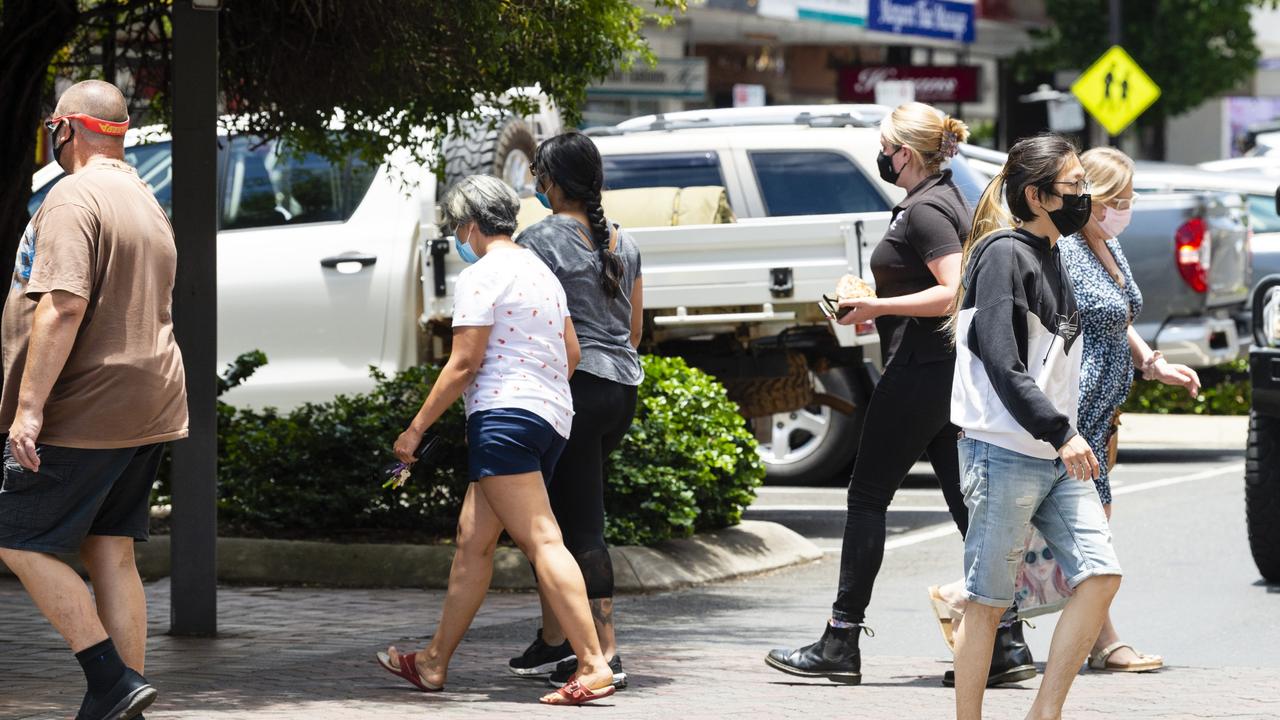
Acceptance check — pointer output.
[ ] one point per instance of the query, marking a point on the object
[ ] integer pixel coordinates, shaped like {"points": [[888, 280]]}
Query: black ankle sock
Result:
{"points": [[102, 666]]}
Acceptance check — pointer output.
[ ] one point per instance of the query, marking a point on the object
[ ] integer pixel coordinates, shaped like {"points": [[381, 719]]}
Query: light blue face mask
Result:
{"points": [[542, 197], [464, 251]]}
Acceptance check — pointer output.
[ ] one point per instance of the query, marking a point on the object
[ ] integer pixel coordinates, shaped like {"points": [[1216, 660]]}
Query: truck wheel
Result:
{"points": [[814, 444], [504, 151], [1262, 494]]}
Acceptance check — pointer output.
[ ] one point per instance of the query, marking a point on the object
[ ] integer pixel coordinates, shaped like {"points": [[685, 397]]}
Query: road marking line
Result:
{"points": [[926, 534], [841, 508], [1203, 475], [840, 490], [933, 532]]}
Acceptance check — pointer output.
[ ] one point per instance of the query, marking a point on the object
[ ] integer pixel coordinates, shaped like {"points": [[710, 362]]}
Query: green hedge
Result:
{"points": [[688, 463], [1225, 391]]}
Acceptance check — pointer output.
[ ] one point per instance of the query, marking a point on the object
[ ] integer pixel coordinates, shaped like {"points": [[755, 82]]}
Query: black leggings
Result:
{"points": [[603, 410], [909, 413]]}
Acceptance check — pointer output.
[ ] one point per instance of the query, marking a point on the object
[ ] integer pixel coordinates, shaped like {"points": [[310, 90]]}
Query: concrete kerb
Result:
{"points": [[751, 548]]}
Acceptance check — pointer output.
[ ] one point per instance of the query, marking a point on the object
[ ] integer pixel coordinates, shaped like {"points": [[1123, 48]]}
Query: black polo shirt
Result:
{"points": [[930, 222]]}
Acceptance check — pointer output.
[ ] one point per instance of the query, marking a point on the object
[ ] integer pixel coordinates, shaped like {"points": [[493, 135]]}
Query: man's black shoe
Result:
{"points": [[1011, 659], [835, 657], [565, 670], [540, 658], [126, 700]]}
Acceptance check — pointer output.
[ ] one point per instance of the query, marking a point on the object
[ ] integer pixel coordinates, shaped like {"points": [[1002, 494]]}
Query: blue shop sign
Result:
{"points": [[945, 19]]}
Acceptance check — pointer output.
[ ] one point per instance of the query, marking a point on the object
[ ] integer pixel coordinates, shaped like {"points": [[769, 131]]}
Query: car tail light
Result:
{"points": [[1193, 247]]}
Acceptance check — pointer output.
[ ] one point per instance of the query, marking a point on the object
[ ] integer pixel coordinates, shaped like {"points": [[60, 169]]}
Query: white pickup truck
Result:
{"points": [[332, 268]]}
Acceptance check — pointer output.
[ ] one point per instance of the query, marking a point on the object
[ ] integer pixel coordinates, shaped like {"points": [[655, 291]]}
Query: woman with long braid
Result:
{"points": [[599, 267]]}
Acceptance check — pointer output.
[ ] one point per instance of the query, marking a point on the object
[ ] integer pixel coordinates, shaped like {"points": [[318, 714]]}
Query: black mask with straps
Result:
{"points": [[884, 163], [56, 146]]}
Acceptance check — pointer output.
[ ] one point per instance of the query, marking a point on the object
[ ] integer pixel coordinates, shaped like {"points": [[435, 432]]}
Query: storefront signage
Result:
{"points": [[945, 19], [934, 84], [839, 12], [682, 78]]}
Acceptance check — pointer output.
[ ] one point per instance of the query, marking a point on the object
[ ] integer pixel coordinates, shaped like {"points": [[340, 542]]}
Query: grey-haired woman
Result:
{"points": [[514, 349]]}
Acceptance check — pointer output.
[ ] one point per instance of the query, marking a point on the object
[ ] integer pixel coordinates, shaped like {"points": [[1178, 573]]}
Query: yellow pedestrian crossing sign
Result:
{"points": [[1115, 90]]}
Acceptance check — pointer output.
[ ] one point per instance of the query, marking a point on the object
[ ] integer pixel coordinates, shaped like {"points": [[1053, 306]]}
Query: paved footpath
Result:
{"points": [[307, 653]]}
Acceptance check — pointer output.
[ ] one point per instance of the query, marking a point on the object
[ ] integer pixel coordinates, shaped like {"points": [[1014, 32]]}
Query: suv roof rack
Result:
{"points": [[811, 115]]}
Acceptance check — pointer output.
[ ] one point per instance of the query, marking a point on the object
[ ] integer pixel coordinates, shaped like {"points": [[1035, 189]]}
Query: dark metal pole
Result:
{"points": [[193, 549], [1113, 29]]}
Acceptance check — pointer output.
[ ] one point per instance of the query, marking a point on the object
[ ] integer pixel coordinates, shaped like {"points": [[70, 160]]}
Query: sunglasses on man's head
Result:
{"points": [[91, 123]]}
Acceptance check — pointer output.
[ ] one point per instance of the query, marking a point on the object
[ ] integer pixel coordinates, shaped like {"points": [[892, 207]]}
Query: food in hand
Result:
{"points": [[852, 287]]}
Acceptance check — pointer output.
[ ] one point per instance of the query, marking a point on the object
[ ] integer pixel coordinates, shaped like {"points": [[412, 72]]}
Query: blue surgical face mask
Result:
{"points": [[465, 251], [542, 197]]}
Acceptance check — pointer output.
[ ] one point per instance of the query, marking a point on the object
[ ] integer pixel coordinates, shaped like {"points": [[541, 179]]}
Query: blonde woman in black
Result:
{"points": [[917, 272]]}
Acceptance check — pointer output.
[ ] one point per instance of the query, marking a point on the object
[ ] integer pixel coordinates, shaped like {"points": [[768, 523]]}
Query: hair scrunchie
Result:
{"points": [[950, 144]]}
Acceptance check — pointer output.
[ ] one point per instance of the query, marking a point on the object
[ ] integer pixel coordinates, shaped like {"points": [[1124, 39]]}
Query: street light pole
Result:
{"points": [[193, 548]]}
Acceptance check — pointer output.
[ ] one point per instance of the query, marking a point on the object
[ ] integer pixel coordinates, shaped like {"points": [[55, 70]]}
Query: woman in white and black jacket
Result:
{"points": [[1014, 396]]}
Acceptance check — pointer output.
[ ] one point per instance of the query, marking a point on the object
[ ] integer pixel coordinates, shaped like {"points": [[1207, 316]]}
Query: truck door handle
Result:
{"points": [[363, 259]]}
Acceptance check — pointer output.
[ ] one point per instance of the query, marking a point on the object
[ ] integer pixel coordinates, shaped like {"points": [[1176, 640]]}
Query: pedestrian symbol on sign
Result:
{"points": [[1115, 90]]}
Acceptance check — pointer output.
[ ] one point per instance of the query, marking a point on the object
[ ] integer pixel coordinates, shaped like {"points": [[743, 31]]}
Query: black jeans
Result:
{"points": [[603, 410], [909, 413]]}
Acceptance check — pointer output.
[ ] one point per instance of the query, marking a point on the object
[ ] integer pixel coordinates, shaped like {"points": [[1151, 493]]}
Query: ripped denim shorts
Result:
{"points": [[1006, 492]]}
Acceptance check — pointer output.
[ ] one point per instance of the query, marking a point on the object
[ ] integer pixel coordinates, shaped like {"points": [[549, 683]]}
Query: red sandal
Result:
{"points": [[407, 670], [578, 694]]}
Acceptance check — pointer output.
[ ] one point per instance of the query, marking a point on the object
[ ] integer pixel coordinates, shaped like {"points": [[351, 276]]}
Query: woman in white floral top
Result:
{"points": [[514, 349]]}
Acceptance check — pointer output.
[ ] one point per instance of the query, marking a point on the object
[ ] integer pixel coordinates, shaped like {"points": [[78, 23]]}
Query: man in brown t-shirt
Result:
{"points": [[93, 387]]}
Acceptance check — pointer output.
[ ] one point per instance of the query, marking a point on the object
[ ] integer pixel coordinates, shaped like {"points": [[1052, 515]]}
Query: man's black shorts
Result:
{"points": [[76, 493]]}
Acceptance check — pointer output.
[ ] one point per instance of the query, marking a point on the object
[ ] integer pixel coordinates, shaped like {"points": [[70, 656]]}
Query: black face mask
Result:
{"points": [[58, 147], [1073, 215], [884, 163]]}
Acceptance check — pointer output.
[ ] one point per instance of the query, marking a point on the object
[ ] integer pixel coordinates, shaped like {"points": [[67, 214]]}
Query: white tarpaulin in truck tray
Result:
{"points": [[651, 207]]}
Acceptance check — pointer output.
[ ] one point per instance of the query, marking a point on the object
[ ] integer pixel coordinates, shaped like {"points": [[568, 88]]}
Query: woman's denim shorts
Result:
{"points": [[509, 441], [1006, 492]]}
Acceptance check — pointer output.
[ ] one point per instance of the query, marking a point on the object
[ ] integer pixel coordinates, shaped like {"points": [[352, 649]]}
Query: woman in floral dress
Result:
{"points": [[1109, 301]]}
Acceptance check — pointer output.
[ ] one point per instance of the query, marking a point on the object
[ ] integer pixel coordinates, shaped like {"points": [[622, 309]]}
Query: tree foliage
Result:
{"points": [[286, 64], [397, 71], [1192, 49]]}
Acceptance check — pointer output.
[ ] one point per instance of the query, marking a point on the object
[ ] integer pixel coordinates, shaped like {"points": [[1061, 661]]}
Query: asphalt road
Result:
{"points": [[1191, 592]]}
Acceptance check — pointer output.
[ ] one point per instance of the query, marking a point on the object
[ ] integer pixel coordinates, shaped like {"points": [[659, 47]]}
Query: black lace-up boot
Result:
{"points": [[835, 656], [1011, 659]]}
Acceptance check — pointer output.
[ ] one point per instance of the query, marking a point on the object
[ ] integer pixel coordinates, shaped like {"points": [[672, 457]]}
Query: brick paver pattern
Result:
{"points": [[308, 653]]}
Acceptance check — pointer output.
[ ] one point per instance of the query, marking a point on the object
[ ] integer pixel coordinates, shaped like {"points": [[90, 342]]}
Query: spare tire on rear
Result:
{"points": [[503, 149]]}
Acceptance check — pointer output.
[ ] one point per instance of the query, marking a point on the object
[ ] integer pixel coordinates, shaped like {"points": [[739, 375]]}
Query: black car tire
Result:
{"points": [[480, 149], [1262, 494]]}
